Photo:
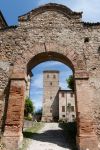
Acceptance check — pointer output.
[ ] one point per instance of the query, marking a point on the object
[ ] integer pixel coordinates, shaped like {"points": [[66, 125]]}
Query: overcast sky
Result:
{"points": [[11, 9]]}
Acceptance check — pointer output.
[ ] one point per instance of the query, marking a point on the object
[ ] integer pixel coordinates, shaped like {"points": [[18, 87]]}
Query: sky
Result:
{"points": [[36, 92], [11, 9]]}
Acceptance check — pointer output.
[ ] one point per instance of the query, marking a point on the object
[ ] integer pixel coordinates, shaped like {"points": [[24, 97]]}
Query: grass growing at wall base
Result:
{"points": [[29, 133]]}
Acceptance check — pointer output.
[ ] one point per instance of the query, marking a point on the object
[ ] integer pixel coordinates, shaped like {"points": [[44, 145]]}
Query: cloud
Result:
{"points": [[52, 63], [47, 65], [37, 81], [91, 8], [37, 103]]}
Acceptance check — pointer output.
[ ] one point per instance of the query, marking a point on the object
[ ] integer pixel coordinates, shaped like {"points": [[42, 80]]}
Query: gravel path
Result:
{"points": [[50, 137]]}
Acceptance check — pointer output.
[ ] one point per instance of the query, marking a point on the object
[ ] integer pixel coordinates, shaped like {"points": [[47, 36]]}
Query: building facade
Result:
{"points": [[67, 110], [57, 104]]}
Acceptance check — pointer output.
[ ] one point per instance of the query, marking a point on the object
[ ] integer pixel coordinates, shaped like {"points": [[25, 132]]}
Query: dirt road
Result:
{"points": [[50, 137]]}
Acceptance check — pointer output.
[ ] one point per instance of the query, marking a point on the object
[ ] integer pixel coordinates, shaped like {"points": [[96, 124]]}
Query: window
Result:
{"points": [[50, 83], [71, 94], [63, 116], [99, 49], [50, 110], [50, 97], [63, 108], [62, 94], [48, 76], [54, 76], [72, 108]]}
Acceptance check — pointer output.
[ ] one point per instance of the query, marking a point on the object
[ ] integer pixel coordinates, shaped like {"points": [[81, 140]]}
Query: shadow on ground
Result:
{"points": [[64, 138], [70, 131]]}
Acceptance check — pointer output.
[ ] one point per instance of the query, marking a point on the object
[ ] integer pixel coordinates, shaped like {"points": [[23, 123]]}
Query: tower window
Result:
{"points": [[48, 76], [50, 110], [50, 83], [50, 97]]}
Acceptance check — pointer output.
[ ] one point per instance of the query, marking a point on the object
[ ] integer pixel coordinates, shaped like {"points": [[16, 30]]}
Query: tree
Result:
{"points": [[70, 82], [29, 107], [39, 112]]}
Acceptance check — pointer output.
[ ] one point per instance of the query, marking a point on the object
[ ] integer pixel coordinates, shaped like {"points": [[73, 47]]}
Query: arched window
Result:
{"points": [[51, 83]]}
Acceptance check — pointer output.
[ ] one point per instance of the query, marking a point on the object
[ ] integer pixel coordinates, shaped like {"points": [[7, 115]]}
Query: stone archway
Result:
{"points": [[51, 51], [51, 32]]}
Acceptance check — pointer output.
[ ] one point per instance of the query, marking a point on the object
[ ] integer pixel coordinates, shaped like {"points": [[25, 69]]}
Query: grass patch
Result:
{"points": [[29, 133], [70, 131]]}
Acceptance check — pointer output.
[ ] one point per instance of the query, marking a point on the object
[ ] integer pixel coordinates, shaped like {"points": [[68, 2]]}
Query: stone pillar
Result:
{"points": [[86, 137], [12, 137]]}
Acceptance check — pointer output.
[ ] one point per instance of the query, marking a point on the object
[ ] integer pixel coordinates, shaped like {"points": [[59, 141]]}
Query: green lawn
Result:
{"points": [[29, 133]]}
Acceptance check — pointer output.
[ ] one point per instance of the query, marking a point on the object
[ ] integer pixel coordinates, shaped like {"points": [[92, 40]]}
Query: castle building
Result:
{"points": [[50, 97], [57, 104]]}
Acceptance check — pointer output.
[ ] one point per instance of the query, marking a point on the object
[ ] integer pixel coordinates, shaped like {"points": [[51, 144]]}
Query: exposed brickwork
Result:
{"points": [[15, 113], [56, 33]]}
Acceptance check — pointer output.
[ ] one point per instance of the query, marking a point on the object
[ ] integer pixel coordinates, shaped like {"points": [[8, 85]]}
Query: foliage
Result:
{"points": [[29, 133], [70, 82], [39, 112], [28, 118], [29, 107]]}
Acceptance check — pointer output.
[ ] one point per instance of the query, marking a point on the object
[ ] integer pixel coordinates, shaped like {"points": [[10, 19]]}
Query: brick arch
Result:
{"points": [[41, 52], [38, 53]]}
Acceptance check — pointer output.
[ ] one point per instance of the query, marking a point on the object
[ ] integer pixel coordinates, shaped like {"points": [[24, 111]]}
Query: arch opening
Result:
{"points": [[48, 56], [62, 93]]}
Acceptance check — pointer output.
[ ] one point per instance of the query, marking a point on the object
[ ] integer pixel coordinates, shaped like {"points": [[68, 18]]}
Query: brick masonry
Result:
{"points": [[54, 32]]}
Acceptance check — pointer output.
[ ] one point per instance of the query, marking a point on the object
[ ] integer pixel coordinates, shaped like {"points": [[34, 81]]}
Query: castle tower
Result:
{"points": [[50, 98]]}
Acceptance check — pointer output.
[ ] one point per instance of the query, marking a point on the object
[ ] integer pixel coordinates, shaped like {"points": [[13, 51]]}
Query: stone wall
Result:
{"points": [[54, 32]]}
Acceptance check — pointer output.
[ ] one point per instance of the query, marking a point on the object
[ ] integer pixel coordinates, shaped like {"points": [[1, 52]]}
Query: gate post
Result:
{"points": [[12, 136], [86, 136]]}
